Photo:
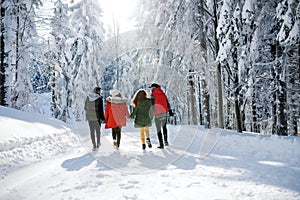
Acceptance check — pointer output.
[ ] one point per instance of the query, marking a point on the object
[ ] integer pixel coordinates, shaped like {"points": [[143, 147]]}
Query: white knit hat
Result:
{"points": [[114, 93]]}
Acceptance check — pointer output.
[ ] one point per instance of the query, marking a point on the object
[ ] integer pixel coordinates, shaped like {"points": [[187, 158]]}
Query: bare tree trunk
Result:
{"points": [[206, 101], [192, 98], [14, 97], [291, 61], [281, 119], [2, 59], [254, 126], [220, 98], [281, 102], [219, 75], [206, 97], [237, 92]]}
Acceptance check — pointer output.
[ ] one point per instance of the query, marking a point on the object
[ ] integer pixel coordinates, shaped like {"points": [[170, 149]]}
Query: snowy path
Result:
{"points": [[239, 167]]}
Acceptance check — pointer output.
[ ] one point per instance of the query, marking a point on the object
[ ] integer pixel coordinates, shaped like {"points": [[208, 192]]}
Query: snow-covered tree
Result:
{"points": [[83, 55], [249, 48], [3, 56], [60, 81], [17, 37], [288, 37], [184, 18]]}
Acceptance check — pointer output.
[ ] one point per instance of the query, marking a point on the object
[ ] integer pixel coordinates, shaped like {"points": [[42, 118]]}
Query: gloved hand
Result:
{"points": [[171, 113]]}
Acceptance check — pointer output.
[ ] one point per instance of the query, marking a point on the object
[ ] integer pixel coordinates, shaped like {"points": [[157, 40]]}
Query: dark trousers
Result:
{"points": [[116, 134], [161, 123], [95, 127]]}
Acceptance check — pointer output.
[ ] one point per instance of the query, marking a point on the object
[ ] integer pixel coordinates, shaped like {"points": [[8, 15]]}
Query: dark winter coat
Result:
{"points": [[116, 112], [160, 101], [143, 114], [94, 107]]}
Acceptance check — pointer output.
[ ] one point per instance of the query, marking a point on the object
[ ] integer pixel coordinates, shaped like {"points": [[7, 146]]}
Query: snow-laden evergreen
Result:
{"points": [[229, 63]]}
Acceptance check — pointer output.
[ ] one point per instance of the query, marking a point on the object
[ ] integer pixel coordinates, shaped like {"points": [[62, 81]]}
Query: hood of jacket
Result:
{"points": [[116, 100], [93, 96]]}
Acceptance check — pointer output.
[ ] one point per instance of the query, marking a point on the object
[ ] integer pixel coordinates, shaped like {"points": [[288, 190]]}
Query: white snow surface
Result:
{"points": [[44, 158]]}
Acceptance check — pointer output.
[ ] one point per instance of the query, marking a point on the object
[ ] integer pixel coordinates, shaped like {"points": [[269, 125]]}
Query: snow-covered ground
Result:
{"points": [[43, 158]]}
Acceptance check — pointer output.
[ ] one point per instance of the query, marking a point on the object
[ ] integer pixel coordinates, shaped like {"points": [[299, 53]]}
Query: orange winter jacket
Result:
{"points": [[116, 112]]}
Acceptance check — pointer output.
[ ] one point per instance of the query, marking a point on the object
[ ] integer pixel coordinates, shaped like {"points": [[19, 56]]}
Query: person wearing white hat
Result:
{"points": [[116, 113]]}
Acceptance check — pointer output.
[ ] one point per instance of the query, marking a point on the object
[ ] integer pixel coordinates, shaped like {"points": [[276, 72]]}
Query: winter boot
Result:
{"points": [[160, 139], [166, 139], [98, 145], [161, 146], [115, 144], [149, 142], [144, 146]]}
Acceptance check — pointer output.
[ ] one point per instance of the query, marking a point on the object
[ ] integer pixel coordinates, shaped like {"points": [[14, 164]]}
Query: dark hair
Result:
{"points": [[96, 89], [154, 85], [139, 98]]}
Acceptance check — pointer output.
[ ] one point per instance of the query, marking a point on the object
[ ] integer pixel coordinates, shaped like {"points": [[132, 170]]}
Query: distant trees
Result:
{"points": [[254, 55], [75, 39], [242, 74], [77, 36]]}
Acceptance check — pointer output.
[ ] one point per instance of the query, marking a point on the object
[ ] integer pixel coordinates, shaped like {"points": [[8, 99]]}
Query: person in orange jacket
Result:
{"points": [[116, 113]]}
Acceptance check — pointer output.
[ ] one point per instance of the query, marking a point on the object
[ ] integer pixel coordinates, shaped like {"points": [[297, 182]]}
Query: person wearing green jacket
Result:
{"points": [[142, 114]]}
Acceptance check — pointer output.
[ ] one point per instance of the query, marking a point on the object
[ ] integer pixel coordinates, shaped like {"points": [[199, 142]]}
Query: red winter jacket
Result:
{"points": [[160, 101], [116, 112]]}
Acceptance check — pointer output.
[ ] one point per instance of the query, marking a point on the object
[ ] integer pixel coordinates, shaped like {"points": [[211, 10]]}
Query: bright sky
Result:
{"points": [[119, 11]]}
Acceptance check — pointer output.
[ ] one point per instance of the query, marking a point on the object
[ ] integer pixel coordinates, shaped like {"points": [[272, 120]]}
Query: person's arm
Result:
{"points": [[127, 115], [101, 112], [132, 115], [169, 108], [106, 112], [152, 99]]}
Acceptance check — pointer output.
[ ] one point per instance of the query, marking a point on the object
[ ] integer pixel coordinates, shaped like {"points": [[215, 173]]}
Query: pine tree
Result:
{"points": [[60, 80], [85, 64], [18, 32]]}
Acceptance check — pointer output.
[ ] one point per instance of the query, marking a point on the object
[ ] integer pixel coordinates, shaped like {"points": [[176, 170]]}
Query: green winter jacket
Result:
{"points": [[143, 114]]}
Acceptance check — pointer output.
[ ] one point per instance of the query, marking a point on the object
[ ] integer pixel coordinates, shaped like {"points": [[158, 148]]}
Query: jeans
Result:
{"points": [[95, 127], [161, 122]]}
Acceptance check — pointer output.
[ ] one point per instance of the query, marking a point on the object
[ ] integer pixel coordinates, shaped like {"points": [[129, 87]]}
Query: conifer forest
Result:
{"points": [[230, 64]]}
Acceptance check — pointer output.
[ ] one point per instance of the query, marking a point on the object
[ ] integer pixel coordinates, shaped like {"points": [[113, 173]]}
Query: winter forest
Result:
{"points": [[231, 64]]}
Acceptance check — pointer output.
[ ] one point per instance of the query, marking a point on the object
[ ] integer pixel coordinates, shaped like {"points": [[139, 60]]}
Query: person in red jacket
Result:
{"points": [[116, 113], [161, 108]]}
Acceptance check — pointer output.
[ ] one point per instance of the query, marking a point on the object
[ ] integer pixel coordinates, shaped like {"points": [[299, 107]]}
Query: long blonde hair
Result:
{"points": [[139, 97]]}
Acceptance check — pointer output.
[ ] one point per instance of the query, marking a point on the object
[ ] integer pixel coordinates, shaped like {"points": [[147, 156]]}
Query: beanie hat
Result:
{"points": [[115, 93]]}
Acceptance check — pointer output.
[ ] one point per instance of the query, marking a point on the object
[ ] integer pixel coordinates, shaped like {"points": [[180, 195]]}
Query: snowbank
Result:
{"points": [[260, 147], [29, 137]]}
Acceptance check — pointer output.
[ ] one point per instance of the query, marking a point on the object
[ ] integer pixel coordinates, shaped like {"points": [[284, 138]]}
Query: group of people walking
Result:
{"points": [[145, 108]]}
